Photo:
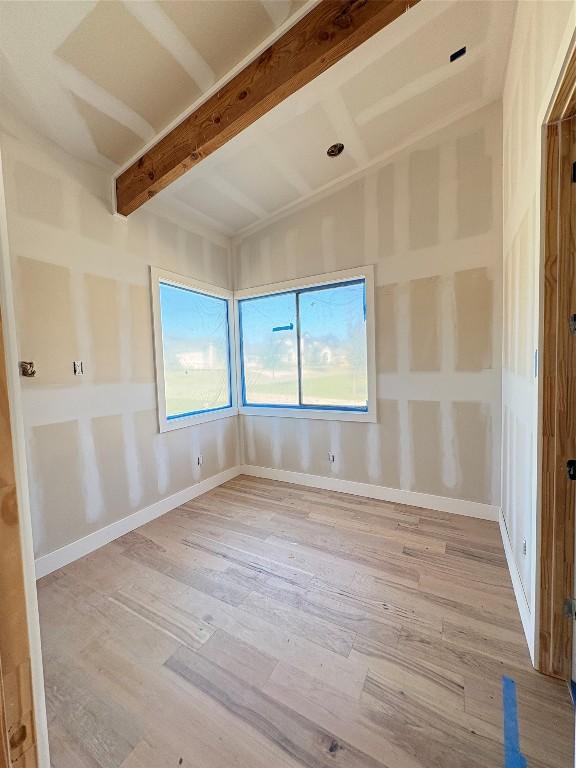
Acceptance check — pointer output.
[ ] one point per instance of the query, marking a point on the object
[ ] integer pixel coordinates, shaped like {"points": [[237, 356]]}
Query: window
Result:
{"points": [[269, 350], [306, 349], [193, 350]]}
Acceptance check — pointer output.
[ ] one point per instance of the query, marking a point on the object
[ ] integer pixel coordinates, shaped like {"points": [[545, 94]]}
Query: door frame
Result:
{"points": [[557, 412], [23, 719]]}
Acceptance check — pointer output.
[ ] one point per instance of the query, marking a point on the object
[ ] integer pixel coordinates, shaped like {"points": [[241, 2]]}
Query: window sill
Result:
{"points": [[309, 413], [197, 418]]}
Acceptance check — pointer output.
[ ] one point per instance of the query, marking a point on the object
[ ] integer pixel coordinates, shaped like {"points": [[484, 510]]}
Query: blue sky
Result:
{"points": [[188, 317]]}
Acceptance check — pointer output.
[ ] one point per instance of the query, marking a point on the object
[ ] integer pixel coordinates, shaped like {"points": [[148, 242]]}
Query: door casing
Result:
{"points": [[23, 721], [558, 385]]}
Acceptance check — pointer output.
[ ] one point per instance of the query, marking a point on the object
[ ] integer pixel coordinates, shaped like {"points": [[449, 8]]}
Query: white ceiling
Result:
{"points": [[397, 86], [102, 78]]}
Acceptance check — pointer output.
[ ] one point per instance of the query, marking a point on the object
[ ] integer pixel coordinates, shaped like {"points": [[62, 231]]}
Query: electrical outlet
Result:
{"points": [[331, 457], [200, 460], [78, 368]]}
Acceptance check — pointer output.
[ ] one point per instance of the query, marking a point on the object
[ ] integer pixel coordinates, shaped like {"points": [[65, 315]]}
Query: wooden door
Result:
{"points": [[17, 728]]}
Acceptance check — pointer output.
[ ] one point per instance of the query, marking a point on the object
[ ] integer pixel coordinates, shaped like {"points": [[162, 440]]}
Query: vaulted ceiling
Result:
{"points": [[102, 79], [399, 85]]}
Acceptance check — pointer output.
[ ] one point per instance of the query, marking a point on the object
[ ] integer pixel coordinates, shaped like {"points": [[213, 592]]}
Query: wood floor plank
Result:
{"points": [[427, 607], [438, 740], [333, 612], [243, 555], [422, 646], [334, 711], [268, 625], [212, 582], [274, 639], [398, 569], [241, 659], [281, 614], [101, 727], [270, 556], [166, 617], [295, 734], [394, 604], [175, 717], [488, 640], [65, 751], [210, 518], [452, 566], [493, 599], [483, 699], [422, 680]]}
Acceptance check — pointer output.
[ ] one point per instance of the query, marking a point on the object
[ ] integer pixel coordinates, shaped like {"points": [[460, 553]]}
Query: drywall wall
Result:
{"points": [[541, 38], [81, 282], [430, 220]]}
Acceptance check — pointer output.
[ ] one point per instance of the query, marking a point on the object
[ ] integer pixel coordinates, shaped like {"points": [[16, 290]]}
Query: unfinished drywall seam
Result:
{"points": [[403, 330], [437, 255], [97, 430], [62, 556]]}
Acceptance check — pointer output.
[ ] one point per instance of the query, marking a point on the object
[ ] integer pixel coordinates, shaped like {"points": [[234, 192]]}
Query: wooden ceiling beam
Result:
{"points": [[322, 37]]}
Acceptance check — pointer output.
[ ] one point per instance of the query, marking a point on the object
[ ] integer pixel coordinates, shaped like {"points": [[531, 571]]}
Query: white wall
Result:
{"points": [[430, 220], [81, 283], [541, 39]]}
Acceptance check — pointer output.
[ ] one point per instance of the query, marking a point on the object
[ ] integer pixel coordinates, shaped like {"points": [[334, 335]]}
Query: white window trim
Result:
{"points": [[366, 273], [181, 281]]}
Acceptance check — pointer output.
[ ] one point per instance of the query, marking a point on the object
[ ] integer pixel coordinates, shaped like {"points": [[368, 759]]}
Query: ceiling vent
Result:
{"points": [[458, 54]]}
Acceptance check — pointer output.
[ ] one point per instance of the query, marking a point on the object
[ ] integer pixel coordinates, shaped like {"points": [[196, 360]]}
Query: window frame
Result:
{"points": [[332, 413], [158, 276]]}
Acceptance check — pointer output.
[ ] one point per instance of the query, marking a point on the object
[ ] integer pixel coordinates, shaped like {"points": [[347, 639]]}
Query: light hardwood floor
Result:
{"points": [[266, 625]]}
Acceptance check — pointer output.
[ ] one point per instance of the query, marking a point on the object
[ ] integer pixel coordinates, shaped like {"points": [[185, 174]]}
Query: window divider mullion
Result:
{"points": [[298, 350]]}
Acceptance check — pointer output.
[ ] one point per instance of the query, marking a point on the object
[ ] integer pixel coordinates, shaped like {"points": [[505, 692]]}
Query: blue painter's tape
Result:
{"points": [[283, 328], [513, 758]]}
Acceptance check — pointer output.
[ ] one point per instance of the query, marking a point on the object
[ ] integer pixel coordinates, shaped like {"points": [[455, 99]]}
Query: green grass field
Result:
{"points": [[198, 390], [195, 391], [326, 387]]}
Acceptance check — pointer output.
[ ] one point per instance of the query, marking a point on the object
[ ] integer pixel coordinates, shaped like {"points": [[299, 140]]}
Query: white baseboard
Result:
{"points": [[77, 549], [393, 495], [521, 601]]}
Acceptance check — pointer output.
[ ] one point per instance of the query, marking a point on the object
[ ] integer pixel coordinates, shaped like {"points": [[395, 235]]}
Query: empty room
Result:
{"points": [[288, 410]]}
